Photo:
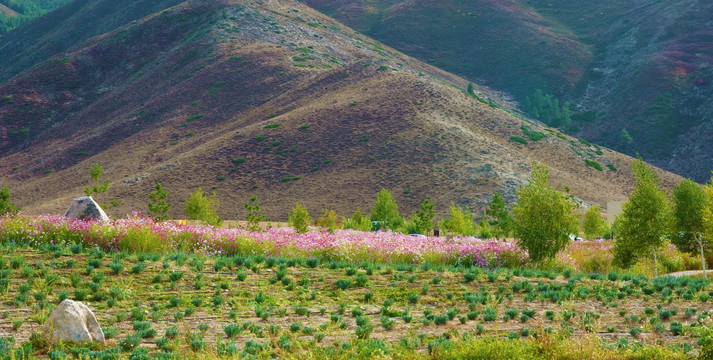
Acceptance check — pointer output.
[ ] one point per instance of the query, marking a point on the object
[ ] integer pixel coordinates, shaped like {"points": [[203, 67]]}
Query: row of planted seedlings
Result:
{"points": [[252, 303]]}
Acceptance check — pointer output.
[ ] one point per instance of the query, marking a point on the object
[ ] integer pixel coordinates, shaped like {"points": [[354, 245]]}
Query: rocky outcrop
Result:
{"points": [[72, 321], [85, 208]]}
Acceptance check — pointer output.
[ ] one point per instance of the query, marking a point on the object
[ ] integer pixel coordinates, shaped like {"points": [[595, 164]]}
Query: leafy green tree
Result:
{"points": [[386, 210], [158, 206], [358, 221], [645, 220], [422, 219], [460, 221], [300, 218], [96, 173], [471, 89], [253, 217], [499, 218], [543, 217], [328, 220], [689, 203], [203, 208], [708, 210], [6, 207], [593, 224]]}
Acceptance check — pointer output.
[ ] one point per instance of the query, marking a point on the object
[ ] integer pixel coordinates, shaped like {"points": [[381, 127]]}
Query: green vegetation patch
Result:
{"points": [[593, 164], [518, 139], [532, 135]]}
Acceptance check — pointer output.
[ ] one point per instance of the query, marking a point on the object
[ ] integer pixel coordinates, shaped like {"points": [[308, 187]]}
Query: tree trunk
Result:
{"points": [[656, 270], [703, 258]]}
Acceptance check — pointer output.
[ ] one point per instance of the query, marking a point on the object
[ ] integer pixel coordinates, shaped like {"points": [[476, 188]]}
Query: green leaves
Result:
{"points": [[543, 216], [300, 218], [386, 210], [200, 207], [645, 219], [158, 206]]}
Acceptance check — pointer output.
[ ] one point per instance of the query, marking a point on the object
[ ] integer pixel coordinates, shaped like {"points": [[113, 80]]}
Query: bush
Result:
{"points": [[300, 218], [200, 207], [328, 220], [533, 135], [518, 139], [593, 164]]}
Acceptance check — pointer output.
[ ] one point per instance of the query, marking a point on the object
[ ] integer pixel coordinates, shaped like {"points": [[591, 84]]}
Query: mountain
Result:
{"points": [[14, 13], [638, 74], [267, 98]]}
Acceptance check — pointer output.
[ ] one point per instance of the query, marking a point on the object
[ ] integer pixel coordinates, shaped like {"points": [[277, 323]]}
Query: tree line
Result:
{"points": [[543, 219]]}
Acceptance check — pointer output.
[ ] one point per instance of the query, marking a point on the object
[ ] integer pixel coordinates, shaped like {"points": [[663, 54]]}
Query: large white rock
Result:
{"points": [[85, 208], [72, 321]]}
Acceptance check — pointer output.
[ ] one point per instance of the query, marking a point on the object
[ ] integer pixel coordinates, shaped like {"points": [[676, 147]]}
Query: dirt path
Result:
{"points": [[688, 273]]}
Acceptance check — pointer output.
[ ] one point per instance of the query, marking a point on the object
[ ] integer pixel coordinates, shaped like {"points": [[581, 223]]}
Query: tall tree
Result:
{"points": [[708, 210], [299, 219], [460, 221], [423, 218], [386, 210], [544, 217], [5, 205], [689, 202], [593, 223], [499, 217], [645, 219], [158, 206]]}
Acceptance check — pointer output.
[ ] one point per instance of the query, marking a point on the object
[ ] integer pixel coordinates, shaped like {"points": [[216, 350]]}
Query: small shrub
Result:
{"points": [[593, 164], [518, 139]]}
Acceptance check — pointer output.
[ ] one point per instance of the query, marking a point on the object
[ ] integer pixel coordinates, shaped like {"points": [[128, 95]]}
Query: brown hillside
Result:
{"points": [[320, 114]]}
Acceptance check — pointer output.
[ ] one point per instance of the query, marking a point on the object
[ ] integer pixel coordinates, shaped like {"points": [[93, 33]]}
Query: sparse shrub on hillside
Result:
{"points": [[533, 135], [158, 206], [328, 220], [518, 139], [593, 164], [611, 167], [194, 117], [200, 207], [547, 109], [543, 216], [299, 219], [625, 137]]}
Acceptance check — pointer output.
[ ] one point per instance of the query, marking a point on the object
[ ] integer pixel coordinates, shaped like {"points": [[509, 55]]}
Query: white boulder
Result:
{"points": [[85, 208], [72, 321]]}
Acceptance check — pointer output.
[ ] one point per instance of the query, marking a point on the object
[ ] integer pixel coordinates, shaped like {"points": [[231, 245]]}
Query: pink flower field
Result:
{"points": [[137, 233]]}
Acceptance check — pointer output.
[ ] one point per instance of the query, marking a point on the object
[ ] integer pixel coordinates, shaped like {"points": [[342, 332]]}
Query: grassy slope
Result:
{"points": [[640, 66], [376, 119]]}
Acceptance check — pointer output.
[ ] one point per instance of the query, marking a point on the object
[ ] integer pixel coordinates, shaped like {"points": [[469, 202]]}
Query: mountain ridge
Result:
{"points": [[276, 100]]}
